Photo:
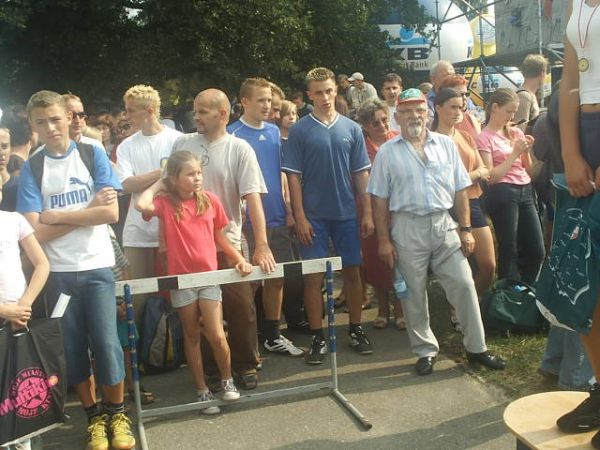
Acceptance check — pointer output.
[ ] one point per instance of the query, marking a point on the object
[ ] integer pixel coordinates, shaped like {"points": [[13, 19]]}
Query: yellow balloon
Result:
{"points": [[489, 35]]}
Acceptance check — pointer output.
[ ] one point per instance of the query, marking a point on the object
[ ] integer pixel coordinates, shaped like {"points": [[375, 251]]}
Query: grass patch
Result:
{"points": [[523, 353]]}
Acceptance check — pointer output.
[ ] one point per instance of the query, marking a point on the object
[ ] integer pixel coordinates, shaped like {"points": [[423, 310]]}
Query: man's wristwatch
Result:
{"points": [[466, 229]]}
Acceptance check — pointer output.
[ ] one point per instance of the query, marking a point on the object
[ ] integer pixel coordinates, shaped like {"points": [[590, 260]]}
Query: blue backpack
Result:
{"points": [[161, 342]]}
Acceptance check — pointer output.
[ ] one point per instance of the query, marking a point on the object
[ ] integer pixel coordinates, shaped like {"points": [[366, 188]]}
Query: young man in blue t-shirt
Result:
{"points": [[264, 138], [69, 203], [326, 163]]}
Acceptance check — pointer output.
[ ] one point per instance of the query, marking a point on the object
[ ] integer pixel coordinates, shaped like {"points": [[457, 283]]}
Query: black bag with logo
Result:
{"points": [[509, 307], [32, 380]]}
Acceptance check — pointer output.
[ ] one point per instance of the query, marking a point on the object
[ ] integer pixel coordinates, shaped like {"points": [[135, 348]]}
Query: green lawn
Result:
{"points": [[522, 353]]}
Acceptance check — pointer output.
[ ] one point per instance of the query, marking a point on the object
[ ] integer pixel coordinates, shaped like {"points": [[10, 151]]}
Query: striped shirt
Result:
{"points": [[415, 187]]}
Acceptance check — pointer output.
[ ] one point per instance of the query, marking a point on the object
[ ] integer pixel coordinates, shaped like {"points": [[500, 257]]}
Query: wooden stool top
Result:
{"points": [[533, 420]]}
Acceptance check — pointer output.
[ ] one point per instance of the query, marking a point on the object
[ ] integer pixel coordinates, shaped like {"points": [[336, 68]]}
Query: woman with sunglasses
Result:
{"points": [[373, 117], [469, 123]]}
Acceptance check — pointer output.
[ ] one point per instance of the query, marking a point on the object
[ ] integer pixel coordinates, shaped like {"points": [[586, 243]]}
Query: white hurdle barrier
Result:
{"points": [[148, 285]]}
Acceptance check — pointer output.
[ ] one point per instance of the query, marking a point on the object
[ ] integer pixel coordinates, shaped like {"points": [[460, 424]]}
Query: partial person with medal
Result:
{"points": [[580, 140]]}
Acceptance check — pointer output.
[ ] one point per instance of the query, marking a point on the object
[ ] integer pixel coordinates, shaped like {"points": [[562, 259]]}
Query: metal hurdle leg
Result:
{"points": [[135, 373], [333, 350], [230, 276]]}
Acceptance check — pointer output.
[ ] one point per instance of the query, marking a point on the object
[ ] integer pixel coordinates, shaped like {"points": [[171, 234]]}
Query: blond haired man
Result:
{"points": [[139, 162]]}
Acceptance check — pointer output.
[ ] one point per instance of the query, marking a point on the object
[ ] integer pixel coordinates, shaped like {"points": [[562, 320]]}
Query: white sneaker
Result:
{"points": [[207, 397], [230, 392], [283, 346]]}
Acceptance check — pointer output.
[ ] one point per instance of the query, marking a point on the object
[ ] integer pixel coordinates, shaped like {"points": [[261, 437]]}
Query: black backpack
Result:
{"points": [[509, 307], [161, 342], [36, 162]]}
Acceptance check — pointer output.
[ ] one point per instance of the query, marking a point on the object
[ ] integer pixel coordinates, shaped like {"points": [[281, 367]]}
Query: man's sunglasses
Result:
{"points": [[82, 115]]}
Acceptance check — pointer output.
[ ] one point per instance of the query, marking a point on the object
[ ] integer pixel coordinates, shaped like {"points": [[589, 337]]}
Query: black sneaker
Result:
{"points": [[360, 342], [317, 351], [585, 417]]}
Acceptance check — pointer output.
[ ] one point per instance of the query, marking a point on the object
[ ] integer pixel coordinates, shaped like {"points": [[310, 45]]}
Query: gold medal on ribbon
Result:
{"points": [[583, 64]]}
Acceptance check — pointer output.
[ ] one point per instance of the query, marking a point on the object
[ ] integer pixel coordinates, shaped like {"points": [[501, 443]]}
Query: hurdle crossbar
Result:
{"points": [[148, 285]]}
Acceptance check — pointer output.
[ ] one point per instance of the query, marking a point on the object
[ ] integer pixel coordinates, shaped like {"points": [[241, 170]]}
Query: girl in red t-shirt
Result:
{"points": [[193, 221]]}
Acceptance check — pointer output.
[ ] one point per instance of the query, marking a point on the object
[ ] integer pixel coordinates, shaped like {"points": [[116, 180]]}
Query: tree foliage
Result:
{"points": [[98, 48]]}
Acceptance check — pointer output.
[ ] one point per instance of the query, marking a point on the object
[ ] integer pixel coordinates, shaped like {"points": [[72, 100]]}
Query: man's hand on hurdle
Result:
{"points": [[264, 258]]}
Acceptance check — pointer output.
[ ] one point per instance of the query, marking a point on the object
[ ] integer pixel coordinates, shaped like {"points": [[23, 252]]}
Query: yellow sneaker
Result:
{"points": [[97, 433], [120, 430]]}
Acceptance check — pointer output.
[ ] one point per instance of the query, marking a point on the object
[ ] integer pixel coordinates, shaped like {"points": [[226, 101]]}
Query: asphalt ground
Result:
{"points": [[450, 409]]}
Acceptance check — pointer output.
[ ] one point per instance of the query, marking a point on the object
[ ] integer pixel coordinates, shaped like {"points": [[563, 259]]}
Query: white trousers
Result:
{"points": [[432, 241]]}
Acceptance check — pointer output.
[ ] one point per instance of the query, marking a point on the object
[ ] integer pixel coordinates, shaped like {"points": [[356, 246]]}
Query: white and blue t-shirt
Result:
{"points": [[326, 156], [67, 185], [266, 142]]}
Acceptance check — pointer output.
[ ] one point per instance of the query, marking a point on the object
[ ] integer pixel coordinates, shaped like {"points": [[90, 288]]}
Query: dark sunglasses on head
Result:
{"points": [[82, 115]]}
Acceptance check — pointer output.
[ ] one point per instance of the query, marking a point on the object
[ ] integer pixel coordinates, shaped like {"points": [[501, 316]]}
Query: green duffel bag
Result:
{"points": [[509, 307]]}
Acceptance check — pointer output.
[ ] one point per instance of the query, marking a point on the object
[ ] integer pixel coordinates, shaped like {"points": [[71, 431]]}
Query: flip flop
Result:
{"points": [[400, 323], [381, 322]]}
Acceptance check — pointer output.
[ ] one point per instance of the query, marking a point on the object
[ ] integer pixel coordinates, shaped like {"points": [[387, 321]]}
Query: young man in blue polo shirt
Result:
{"points": [[326, 164], [264, 138], [69, 200]]}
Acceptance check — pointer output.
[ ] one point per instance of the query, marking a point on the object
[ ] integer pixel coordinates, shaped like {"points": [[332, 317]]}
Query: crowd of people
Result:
{"points": [[400, 188]]}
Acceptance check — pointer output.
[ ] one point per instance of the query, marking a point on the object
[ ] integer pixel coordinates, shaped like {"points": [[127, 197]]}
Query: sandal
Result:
{"points": [[381, 322], [400, 323], [146, 397]]}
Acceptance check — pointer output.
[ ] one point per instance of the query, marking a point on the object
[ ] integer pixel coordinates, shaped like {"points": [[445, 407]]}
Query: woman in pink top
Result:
{"points": [[506, 152]]}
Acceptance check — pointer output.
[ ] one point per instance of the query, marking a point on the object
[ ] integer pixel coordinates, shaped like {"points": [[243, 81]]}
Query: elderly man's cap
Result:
{"points": [[356, 76], [411, 95]]}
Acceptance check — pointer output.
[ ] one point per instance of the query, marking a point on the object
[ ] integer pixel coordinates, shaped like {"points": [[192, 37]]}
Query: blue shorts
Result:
{"points": [[345, 236], [90, 317]]}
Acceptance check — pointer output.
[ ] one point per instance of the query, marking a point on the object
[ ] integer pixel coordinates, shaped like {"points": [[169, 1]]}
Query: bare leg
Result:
{"points": [[383, 302], [313, 299], [190, 322], [86, 391], [485, 256], [212, 315], [273, 298], [354, 293], [113, 394]]}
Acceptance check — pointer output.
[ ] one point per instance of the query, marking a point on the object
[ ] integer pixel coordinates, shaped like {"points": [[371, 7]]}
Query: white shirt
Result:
{"points": [[91, 141], [392, 118], [13, 228], [411, 185], [358, 96], [230, 172], [137, 155]]}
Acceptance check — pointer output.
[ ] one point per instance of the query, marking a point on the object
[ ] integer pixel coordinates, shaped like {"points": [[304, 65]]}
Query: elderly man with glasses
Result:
{"points": [[416, 178]]}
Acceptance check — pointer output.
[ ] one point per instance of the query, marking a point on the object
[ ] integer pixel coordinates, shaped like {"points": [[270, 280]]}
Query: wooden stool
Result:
{"points": [[532, 420]]}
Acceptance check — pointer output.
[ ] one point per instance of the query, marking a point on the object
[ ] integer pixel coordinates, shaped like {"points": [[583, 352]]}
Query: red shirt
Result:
{"points": [[190, 242]]}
